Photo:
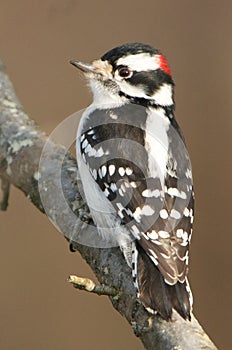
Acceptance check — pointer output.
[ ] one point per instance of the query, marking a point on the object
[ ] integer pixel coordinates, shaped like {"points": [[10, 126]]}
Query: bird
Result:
{"points": [[136, 172]]}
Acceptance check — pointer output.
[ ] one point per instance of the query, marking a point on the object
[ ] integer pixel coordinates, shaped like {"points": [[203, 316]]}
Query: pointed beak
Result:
{"points": [[98, 69], [84, 67]]}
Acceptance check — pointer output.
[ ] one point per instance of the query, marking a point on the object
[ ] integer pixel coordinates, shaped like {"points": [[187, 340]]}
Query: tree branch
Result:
{"points": [[89, 286], [5, 186], [21, 144]]}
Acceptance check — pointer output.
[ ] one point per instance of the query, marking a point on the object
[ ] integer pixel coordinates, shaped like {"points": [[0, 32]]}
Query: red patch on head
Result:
{"points": [[164, 64]]}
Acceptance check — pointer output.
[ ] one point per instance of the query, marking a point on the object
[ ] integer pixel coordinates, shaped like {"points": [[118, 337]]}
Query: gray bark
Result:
{"points": [[21, 143]]}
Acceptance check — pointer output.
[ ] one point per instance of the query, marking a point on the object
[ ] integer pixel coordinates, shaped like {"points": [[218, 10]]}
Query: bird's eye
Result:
{"points": [[124, 72]]}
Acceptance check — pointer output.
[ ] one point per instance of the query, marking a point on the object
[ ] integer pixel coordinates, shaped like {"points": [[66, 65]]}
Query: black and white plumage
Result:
{"points": [[136, 172]]}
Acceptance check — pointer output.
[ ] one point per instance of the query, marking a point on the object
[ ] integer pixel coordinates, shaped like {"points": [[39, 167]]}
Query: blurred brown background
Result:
{"points": [[38, 309]]}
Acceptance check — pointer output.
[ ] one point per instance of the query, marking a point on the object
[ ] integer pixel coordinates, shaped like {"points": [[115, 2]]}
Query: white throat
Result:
{"points": [[104, 97]]}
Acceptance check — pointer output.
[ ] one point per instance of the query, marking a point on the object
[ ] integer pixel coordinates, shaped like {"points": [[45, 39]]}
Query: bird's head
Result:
{"points": [[132, 72]]}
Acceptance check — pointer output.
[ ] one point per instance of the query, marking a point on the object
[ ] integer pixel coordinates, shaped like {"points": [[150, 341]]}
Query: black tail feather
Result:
{"points": [[157, 295], [180, 299]]}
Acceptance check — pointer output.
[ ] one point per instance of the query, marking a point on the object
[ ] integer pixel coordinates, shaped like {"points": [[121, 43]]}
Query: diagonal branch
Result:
{"points": [[21, 144]]}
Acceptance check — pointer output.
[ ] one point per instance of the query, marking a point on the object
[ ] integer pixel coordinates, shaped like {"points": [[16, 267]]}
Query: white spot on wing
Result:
{"points": [[145, 236], [100, 152], [129, 171], [111, 169], [175, 214], [137, 214], [106, 192], [120, 192], [123, 188], [172, 191], [151, 193], [147, 210], [163, 234], [121, 171], [163, 214], [191, 215], [120, 206], [179, 232], [103, 169], [88, 147], [165, 256], [153, 256], [113, 187], [153, 234], [185, 236], [120, 214], [157, 242], [91, 152]]}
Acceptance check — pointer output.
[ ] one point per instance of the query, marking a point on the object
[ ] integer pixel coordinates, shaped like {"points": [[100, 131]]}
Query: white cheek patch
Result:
{"points": [[163, 96], [140, 62], [132, 90]]}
